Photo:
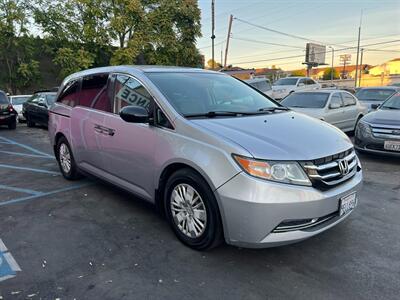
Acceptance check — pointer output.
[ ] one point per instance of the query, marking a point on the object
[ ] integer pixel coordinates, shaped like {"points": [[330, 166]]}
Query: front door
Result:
{"points": [[335, 113], [129, 151]]}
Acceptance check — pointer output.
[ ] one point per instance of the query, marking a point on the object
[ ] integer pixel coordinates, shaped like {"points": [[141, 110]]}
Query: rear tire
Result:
{"points": [[12, 125], [66, 160], [29, 123], [192, 210]]}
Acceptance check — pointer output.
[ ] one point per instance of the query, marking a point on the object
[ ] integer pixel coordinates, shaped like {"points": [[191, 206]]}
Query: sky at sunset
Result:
{"points": [[332, 22]]}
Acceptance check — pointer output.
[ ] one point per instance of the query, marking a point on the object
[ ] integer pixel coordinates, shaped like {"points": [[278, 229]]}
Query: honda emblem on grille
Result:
{"points": [[344, 167]]}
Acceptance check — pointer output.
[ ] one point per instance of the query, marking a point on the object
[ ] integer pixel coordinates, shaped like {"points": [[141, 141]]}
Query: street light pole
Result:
{"points": [[332, 70], [212, 31]]}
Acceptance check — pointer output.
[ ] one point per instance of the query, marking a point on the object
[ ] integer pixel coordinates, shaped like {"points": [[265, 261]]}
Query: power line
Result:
{"points": [[323, 52], [280, 32], [266, 43]]}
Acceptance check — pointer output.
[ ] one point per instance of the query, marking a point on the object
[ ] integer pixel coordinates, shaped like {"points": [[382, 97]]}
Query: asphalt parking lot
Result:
{"points": [[88, 240]]}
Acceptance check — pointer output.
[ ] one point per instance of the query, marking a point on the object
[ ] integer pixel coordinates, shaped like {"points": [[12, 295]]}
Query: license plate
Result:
{"points": [[392, 146], [348, 203]]}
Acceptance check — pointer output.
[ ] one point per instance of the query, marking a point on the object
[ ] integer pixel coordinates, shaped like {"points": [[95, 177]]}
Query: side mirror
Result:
{"points": [[375, 106], [134, 114], [334, 105], [300, 84], [42, 103]]}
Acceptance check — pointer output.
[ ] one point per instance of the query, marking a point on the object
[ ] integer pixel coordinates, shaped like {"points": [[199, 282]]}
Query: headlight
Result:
{"points": [[286, 172], [363, 129]]}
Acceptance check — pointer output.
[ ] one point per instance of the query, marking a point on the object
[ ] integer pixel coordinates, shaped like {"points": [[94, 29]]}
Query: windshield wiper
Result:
{"points": [[390, 107], [272, 109], [212, 114]]}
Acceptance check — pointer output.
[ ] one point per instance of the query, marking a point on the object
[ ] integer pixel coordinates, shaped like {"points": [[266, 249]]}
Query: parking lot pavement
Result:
{"points": [[88, 240]]}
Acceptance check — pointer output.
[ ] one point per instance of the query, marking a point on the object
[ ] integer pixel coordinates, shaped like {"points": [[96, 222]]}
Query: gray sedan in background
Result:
{"points": [[17, 102], [337, 107], [379, 131], [372, 97]]}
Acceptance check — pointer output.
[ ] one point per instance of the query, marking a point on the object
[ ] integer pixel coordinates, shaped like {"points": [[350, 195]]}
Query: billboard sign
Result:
{"points": [[315, 54]]}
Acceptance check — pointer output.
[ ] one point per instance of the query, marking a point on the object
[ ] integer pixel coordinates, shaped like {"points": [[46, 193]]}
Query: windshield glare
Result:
{"points": [[374, 94], [200, 93], [306, 100], [3, 98], [50, 98], [392, 103], [286, 81], [19, 100]]}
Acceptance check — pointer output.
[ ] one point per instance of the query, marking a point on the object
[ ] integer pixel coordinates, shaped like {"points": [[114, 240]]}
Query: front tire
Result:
{"points": [[66, 160], [192, 210]]}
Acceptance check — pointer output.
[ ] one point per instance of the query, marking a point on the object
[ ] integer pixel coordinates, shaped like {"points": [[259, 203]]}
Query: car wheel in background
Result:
{"points": [[358, 120], [192, 210], [66, 160], [29, 123]]}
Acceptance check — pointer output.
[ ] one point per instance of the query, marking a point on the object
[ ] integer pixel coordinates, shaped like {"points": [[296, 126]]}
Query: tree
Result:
{"points": [[16, 48], [327, 74], [71, 61], [216, 64], [298, 73]]}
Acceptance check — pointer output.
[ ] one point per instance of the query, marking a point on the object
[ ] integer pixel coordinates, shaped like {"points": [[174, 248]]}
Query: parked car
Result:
{"points": [[337, 107], [379, 131], [261, 84], [35, 109], [343, 88], [8, 115], [375, 95], [285, 86], [219, 158], [17, 102]]}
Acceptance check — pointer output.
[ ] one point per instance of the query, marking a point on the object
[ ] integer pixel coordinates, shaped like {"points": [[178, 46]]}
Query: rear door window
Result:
{"points": [[69, 95], [348, 99], [94, 92], [336, 100]]}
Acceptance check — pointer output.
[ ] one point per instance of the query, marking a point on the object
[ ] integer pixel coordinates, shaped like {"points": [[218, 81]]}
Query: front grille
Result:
{"points": [[386, 131], [332, 170], [303, 224]]}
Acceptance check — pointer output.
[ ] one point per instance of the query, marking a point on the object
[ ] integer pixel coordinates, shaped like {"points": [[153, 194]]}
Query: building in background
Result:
{"points": [[391, 67]]}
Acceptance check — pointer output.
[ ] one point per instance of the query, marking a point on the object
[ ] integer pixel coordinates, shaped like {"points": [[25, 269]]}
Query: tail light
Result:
{"points": [[10, 108]]}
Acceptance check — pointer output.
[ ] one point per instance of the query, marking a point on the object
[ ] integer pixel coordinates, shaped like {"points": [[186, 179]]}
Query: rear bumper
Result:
{"points": [[252, 209], [7, 119]]}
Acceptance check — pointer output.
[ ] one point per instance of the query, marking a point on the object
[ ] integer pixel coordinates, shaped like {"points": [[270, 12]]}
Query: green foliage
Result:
{"points": [[16, 46], [71, 61], [327, 74]]}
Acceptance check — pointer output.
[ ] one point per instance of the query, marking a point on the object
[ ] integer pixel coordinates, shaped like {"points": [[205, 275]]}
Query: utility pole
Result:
{"points": [[212, 31], [332, 69], [227, 39], [358, 50], [361, 65]]}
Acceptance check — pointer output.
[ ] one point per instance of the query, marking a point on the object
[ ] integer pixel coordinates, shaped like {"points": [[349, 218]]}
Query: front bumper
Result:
{"points": [[373, 145], [252, 208]]}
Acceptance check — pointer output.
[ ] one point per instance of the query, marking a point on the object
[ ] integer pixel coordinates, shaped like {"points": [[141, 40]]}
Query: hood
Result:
{"points": [[283, 87], [383, 117], [280, 136], [312, 112]]}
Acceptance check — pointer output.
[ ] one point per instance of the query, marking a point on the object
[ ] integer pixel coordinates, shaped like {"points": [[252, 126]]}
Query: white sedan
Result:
{"points": [[337, 107], [17, 102]]}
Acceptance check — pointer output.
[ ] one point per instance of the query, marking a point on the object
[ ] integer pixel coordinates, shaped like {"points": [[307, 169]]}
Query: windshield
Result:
{"points": [[19, 100], [392, 103], [306, 100], [286, 81], [374, 94], [50, 98], [201, 93], [3, 98]]}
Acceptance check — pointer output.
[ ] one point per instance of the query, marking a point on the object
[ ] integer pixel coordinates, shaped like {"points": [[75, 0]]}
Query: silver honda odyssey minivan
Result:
{"points": [[219, 158]]}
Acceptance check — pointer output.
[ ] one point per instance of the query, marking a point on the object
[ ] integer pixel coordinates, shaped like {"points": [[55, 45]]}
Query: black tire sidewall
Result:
{"points": [[73, 172], [213, 232]]}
